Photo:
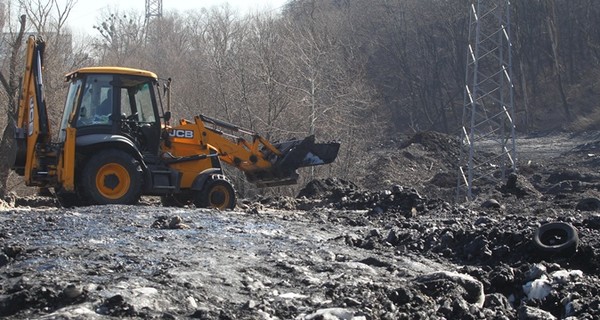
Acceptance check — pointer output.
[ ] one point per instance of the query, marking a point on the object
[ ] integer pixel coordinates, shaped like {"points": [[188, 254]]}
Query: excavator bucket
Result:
{"points": [[295, 154]]}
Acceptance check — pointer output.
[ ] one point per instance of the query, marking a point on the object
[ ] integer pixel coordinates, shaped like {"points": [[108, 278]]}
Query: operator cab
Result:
{"points": [[108, 103]]}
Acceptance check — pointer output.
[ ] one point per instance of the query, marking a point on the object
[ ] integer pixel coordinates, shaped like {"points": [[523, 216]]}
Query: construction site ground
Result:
{"points": [[390, 245]]}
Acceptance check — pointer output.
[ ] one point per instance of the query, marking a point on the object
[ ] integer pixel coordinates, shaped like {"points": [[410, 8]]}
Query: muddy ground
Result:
{"points": [[388, 246]]}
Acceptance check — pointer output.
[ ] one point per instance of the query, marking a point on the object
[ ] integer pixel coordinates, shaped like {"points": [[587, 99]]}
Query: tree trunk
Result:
{"points": [[7, 158], [11, 87], [553, 33]]}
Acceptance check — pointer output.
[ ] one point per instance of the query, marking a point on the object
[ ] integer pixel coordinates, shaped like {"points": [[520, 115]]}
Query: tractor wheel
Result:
{"points": [[176, 200], [218, 193], [112, 177]]}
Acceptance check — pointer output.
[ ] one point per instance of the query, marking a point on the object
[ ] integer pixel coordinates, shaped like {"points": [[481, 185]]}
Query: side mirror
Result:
{"points": [[167, 116]]}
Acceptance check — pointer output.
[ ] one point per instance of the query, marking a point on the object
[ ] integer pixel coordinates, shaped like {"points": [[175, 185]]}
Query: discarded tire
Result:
{"points": [[588, 204], [556, 237]]}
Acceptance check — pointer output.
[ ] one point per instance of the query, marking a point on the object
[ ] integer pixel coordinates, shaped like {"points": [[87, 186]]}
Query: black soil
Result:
{"points": [[390, 246]]}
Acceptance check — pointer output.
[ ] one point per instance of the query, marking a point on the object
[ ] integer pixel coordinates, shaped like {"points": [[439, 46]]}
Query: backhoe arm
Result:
{"points": [[32, 130], [235, 150], [264, 163]]}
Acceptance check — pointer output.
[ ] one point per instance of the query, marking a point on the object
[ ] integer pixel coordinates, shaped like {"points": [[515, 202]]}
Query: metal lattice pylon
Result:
{"points": [[488, 129], [153, 9]]}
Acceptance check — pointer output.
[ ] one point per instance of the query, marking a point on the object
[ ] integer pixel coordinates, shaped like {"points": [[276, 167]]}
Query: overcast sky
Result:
{"points": [[86, 13]]}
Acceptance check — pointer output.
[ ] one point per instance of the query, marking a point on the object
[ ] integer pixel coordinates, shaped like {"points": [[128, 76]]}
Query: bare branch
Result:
{"points": [[63, 13]]}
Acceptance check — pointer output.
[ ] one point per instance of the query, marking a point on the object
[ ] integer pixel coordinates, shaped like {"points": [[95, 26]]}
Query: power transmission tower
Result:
{"points": [[488, 128], [153, 9]]}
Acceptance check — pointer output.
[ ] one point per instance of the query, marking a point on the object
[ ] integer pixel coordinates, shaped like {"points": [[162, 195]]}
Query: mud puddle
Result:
{"points": [[117, 260]]}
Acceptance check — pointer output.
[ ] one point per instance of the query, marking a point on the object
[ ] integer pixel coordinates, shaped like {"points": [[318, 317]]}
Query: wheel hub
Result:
{"points": [[111, 181], [217, 198]]}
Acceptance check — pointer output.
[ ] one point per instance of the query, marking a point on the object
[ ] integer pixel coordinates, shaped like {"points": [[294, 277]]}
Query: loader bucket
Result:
{"points": [[295, 154]]}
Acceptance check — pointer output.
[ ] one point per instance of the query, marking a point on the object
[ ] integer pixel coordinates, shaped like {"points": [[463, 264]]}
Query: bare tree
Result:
{"points": [[10, 86], [273, 104], [553, 33], [121, 38], [330, 95], [219, 37], [49, 18]]}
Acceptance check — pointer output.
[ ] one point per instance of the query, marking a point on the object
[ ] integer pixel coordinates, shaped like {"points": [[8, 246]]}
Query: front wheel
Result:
{"points": [[112, 177], [218, 193]]}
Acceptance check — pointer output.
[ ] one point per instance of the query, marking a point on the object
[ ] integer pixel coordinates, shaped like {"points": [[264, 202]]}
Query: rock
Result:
{"points": [[592, 222], [478, 248], [333, 314], [250, 304], [164, 222], [497, 301], [536, 271], [491, 203], [566, 276], [12, 251], [4, 259], [465, 286], [71, 291], [177, 223], [326, 187], [13, 302], [502, 278], [519, 186], [401, 296], [588, 204], [484, 220], [117, 307], [531, 313], [203, 313], [397, 189]]}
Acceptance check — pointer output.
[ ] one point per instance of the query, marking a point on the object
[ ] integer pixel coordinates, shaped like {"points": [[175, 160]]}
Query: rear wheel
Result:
{"points": [[218, 193], [112, 177]]}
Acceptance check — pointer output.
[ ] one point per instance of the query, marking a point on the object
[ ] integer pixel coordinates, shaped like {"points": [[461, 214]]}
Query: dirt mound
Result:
{"points": [[426, 161], [327, 188], [519, 186], [345, 195], [439, 143]]}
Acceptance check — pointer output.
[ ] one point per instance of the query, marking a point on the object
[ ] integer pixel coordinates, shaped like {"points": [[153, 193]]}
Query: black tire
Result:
{"points": [[111, 177], [176, 200], [556, 237], [218, 193]]}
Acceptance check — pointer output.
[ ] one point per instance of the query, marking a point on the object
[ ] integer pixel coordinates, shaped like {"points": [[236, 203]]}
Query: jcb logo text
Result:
{"points": [[186, 134]]}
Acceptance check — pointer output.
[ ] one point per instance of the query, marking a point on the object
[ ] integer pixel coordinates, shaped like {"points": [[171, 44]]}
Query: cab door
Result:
{"points": [[140, 114]]}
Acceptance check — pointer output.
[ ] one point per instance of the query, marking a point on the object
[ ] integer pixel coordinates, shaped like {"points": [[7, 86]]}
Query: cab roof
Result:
{"points": [[113, 70]]}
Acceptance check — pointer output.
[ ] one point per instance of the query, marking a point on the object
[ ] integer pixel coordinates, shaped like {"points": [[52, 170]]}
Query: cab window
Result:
{"points": [[70, 107], [96, 102], [143, 101]]}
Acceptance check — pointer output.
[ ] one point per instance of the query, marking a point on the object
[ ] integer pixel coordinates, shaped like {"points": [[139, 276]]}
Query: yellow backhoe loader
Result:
{"points": [[115, 143]]}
